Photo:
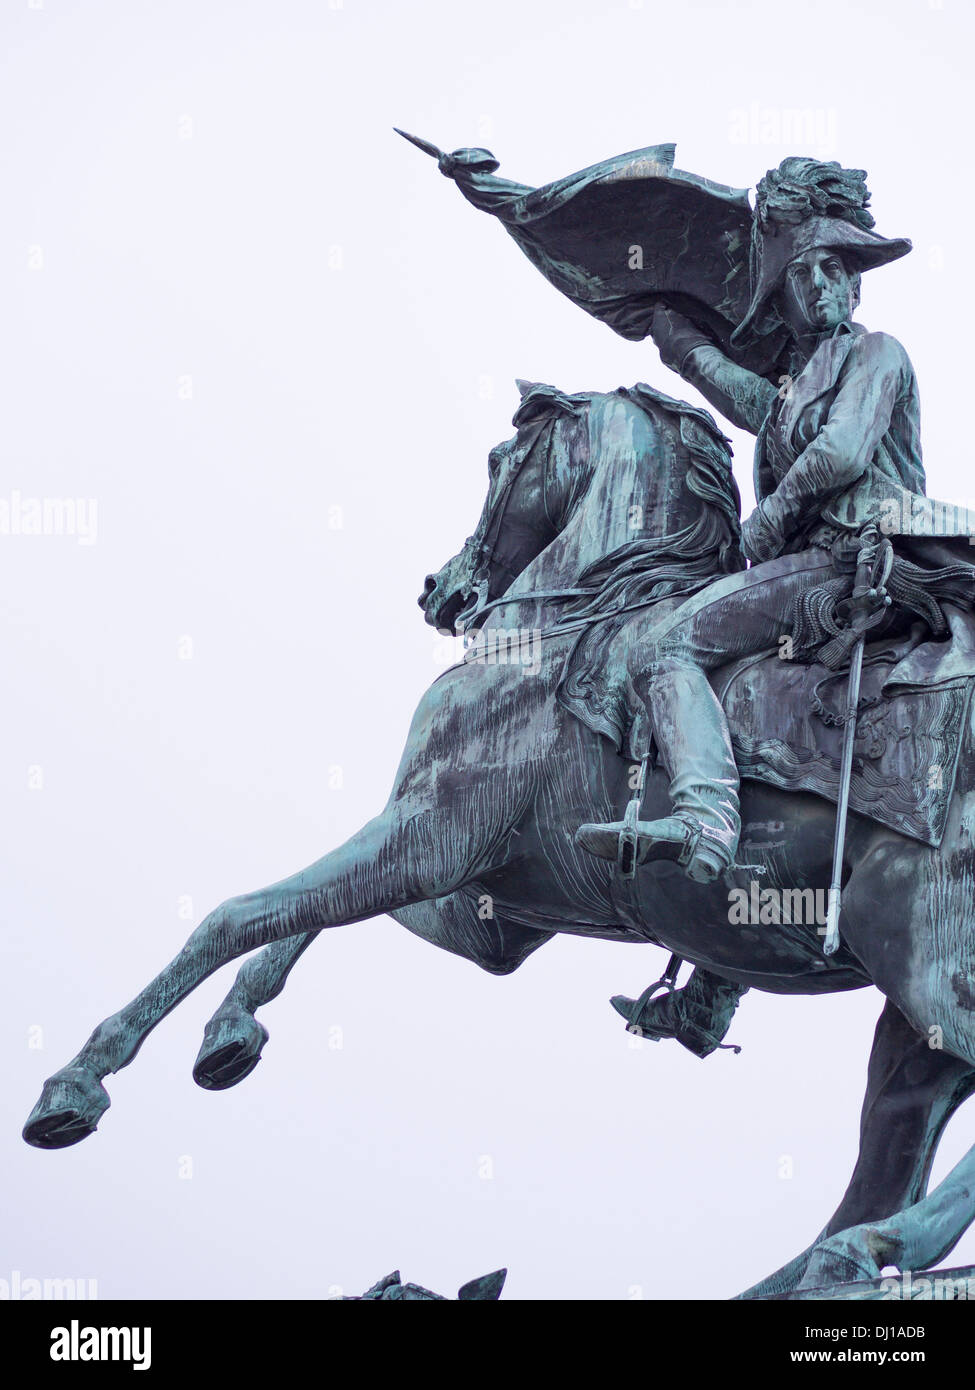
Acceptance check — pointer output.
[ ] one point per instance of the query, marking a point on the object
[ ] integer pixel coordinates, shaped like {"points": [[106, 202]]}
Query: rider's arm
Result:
{"points": [[874, 376], [740, 395]]}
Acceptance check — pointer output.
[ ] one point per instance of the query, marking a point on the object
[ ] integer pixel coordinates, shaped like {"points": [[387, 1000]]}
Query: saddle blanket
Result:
{"points": [[786, 719], [907, 745]]}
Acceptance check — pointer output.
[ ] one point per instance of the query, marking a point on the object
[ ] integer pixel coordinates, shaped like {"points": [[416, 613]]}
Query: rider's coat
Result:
{"points": [[838, 444]]}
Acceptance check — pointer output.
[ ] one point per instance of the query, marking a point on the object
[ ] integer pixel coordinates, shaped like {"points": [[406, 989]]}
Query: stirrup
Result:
{"points": [[700, 851]]}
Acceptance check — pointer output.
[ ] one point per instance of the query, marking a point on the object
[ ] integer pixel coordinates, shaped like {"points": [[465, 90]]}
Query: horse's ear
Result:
{"points": [[524, 386]]}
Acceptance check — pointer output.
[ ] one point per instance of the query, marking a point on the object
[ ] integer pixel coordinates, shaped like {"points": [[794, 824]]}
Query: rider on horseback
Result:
{"points": [[838, 445]]}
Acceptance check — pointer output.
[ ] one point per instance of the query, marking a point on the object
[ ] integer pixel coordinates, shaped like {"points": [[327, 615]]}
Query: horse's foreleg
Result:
{"points": [[395, 860], [912, 1092], [234, 1038]]}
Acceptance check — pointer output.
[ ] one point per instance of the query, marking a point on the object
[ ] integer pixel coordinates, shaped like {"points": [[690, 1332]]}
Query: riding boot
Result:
{"points": [[691, 733], [698, 1015]]}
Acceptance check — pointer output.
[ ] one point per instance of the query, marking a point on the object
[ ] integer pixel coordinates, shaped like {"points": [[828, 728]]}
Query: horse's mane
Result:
{"points": [[683, 561]]}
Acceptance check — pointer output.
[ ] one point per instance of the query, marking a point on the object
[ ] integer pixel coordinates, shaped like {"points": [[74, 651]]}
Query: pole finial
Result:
{"points": [[423, 145]]}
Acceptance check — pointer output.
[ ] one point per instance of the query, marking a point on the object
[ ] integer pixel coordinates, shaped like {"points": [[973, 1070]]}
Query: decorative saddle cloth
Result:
{"points": [[786, 725], [786, 720]]}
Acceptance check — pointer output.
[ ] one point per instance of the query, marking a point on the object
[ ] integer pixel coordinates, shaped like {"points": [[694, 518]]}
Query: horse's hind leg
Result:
{"points": [[913, 1239], [397, 859], [233, 1039], [909, 914], [912, 1092]]}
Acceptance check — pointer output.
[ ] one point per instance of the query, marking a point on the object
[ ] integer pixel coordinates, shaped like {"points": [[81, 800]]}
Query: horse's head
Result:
{"points": [[495, 554], [452, 593]]}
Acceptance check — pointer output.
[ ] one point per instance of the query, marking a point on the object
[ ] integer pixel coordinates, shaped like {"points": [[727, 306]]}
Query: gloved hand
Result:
{"points": [[675, 336], [760, 539]]}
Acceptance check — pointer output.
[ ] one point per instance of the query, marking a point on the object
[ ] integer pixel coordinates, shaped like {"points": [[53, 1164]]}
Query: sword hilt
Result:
{"points": [[874, 564]]}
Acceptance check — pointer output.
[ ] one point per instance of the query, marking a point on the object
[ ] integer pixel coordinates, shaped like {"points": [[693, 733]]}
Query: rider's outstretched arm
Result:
{"points": [[740, 395]]}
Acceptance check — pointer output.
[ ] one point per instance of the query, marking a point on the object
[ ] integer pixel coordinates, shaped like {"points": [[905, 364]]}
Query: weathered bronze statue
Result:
{"points": [[837, 449], [622, 658]]}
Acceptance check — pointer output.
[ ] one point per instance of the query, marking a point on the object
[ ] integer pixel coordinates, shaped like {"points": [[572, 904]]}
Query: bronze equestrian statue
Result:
{"points": [[622, 655]]}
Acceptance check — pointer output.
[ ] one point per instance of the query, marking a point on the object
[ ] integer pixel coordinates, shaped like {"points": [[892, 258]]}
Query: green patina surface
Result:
{"points": [[610, 603]]}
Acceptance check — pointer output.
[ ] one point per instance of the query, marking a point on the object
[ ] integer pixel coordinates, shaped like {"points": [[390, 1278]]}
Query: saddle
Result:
{"points": [[786, 722], [786, 719]]}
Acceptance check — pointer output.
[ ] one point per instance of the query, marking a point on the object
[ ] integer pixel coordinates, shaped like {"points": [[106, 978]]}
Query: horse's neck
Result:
{"points": [[631, 487]]}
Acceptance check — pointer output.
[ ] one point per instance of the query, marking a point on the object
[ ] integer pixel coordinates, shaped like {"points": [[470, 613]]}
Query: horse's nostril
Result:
{"points": [[429, 585]]}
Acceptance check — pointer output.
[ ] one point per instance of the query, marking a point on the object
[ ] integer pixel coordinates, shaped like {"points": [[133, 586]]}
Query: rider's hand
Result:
{"points": [[675, 336], [760, 540]]}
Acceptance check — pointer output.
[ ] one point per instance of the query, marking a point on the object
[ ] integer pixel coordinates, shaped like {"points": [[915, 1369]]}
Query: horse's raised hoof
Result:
{"points": [[71, 1104], [232, 1043]]}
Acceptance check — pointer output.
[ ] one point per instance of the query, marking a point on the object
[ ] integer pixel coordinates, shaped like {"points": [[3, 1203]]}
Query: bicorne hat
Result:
{"points": [[801, 206]]}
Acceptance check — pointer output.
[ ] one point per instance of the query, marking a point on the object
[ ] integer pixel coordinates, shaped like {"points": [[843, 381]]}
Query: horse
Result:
{"points": [[475, 849]]}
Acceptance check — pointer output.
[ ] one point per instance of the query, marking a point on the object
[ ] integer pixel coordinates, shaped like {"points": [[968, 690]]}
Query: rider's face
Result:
{"points": [[818, 294]]}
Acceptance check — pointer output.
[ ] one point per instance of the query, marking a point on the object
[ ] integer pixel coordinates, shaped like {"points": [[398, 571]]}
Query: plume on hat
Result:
{"points": [[801, 188]]}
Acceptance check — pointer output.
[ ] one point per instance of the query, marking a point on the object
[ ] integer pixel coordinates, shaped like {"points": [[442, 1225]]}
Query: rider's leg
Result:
{"points": [[737, 616], [698, 1015]]}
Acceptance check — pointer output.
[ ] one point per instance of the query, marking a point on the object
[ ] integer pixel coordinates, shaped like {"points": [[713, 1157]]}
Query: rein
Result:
{"points": [[562, 629], [533, 594]]}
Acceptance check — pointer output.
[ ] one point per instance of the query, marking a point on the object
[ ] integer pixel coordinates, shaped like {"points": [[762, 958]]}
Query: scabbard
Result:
{"points": [[832, 940]]}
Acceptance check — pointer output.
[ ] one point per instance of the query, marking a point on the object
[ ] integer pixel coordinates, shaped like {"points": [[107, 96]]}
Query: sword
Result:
{"points": [[869, 600]]}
